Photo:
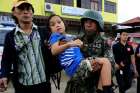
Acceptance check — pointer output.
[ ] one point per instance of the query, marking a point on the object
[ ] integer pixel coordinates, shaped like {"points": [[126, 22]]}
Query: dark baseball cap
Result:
{"points": [[22, 4]]}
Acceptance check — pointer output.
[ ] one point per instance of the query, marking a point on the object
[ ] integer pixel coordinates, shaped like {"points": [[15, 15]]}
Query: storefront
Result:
{"points": [[7, 18]]}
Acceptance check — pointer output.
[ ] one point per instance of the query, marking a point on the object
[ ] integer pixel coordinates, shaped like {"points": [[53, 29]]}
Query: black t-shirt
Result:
{"points": [[122, 53]]}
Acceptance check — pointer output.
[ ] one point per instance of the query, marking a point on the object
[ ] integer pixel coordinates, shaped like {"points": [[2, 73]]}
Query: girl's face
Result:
{"points": [[56, 24]]}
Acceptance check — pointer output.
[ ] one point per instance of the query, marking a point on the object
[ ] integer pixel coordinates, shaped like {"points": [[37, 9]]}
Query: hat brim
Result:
{"points": [[88, 18], [20, 3]]}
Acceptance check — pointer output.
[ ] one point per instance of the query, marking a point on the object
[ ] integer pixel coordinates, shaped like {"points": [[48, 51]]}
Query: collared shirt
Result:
{"points": [[31, 66]]}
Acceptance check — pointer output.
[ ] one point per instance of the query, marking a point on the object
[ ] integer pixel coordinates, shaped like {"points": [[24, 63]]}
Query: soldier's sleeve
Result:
{"points": [[108, 53]]}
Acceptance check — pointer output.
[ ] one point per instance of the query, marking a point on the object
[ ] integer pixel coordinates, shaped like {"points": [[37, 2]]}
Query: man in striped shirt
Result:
{"points": [[25, 52]]}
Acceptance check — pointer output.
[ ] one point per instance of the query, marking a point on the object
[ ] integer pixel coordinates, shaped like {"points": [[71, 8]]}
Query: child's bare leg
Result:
{"points": [[105, 71], [105, 75], [100, 86]]}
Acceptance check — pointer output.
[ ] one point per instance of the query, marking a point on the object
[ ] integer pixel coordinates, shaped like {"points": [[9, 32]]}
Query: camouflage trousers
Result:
{"points": [[83, 81]]}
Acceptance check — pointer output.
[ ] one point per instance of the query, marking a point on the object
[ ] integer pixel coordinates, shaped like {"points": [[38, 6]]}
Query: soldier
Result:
{"points": [[94, 45], [82, 71]]}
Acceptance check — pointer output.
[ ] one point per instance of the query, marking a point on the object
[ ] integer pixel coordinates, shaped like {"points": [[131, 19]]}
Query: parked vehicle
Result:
{"points": [[4, 29]]}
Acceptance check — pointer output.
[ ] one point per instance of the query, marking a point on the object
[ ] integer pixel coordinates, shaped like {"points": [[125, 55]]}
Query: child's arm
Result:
{"points": [[60, 46], [56, 48]]}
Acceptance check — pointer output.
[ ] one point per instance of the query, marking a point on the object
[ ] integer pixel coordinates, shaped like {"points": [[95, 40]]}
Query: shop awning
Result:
{"points": [[132, 22]]}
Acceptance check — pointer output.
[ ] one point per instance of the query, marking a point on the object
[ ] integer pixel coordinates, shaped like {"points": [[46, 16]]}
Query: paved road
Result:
{"points": [[64, 79], [63, 84]]}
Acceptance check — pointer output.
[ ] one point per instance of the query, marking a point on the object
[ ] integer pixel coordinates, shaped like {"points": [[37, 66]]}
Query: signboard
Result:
{"points": [[73, 10]]}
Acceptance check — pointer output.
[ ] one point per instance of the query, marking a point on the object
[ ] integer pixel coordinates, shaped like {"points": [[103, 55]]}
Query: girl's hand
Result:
{"points": [[76, 42], [79, 42]]}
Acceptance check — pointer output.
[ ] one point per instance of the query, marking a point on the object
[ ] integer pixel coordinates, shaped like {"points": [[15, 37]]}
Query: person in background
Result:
{"points": [[137, 56], [117, 39], [24, 49], [110, 55], [80, 70], [125, 61]]}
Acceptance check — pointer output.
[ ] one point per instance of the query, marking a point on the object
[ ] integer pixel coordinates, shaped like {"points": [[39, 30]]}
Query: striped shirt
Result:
{"points": [[31, 66], [71, 57]]}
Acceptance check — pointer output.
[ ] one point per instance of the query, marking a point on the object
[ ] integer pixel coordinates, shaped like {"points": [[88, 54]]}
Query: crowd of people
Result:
{"points": [[88, 60]]}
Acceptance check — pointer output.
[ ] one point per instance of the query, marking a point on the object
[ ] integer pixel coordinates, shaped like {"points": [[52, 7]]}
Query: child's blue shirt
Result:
{"points": [[71, 57]]}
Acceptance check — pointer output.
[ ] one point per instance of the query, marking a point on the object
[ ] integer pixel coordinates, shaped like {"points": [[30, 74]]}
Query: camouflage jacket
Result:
{"points": [[97, 48]]}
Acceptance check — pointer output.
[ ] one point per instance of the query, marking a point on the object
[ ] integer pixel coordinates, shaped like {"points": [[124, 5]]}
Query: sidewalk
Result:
{"points": [[63, 85]]}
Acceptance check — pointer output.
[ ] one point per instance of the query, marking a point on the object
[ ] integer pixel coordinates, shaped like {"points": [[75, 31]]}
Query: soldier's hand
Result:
{"points": [[95, 66]]}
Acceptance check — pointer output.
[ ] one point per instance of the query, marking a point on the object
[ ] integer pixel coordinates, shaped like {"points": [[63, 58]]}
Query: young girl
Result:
{"points": [[80, 70]]}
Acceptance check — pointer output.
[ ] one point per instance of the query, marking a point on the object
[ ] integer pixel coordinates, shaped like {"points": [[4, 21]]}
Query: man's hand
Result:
{"points": [[3, 84], [119, 66], [122, 64], [136, 74]]}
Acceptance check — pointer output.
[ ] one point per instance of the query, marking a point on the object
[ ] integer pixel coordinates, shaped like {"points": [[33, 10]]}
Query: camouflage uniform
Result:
{"points": [[98, 48], [84, 81]]}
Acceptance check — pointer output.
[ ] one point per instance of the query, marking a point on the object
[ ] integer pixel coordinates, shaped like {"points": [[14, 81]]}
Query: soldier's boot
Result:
{"points": [[107, 89], [99, 91]]}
